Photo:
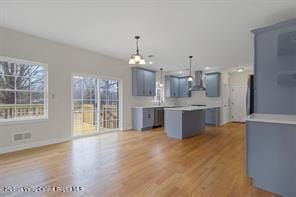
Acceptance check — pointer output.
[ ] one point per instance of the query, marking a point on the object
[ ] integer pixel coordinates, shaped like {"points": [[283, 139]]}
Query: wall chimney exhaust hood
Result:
{"points": [[198, 82]]}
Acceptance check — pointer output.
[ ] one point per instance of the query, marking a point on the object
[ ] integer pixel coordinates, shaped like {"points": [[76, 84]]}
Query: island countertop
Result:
{"points": [[192, 108]]}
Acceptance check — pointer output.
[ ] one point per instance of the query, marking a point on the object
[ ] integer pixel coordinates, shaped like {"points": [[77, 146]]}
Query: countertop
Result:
{"points": [[273, 118], [192, 108], [156, 106]]}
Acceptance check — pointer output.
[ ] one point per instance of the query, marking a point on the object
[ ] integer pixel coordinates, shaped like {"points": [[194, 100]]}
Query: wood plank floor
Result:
{"points": [[136, 164]]}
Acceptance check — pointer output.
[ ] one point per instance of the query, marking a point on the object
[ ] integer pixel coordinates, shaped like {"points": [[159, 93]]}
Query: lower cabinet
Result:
{"points": [[271, 156], [213, 116], [142, 118]]}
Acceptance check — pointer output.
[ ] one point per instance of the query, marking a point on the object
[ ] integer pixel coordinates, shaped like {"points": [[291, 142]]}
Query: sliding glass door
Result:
{"points": [[109, 105], [84, 105], [88, 117]]}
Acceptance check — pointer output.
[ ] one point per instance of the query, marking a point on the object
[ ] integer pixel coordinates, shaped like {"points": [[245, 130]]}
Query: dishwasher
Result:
{"points": [[158, 117]]}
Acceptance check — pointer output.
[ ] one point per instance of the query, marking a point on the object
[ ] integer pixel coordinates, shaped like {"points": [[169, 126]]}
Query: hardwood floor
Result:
{"points": [[136, 164]]}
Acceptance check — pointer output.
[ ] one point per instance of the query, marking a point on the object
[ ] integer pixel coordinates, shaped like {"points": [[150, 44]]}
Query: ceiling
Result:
{"points": [[215, 32]]}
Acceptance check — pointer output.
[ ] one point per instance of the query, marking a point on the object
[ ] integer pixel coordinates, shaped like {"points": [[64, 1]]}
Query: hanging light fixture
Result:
{"points": [[190, 78], [161, 84], [137, 58]]}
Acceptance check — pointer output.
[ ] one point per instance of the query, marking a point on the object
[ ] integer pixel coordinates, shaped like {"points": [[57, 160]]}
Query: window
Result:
{"points": [[23, 90], [159, 97]]}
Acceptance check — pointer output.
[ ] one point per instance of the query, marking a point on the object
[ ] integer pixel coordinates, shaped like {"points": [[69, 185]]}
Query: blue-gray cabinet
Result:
{"points": [[271, 156], [143, 82], [142, 118], [172, 86], [275, 68], [176, 87], [212, 83], [184, 86], [213, 116]]}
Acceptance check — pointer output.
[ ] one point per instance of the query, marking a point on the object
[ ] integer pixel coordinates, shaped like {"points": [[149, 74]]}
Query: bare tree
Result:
{"points": [[20, 77]]}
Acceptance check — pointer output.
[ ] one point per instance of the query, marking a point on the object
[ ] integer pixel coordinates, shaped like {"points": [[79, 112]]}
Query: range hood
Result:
{"points": [[198, 82]]}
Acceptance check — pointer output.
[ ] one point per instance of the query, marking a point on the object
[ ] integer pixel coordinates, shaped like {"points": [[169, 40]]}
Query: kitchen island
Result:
{"points": [[184, 122]]}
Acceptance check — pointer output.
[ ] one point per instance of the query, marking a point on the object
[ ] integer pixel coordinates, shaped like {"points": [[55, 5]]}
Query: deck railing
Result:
{"points": [[21, 111]]}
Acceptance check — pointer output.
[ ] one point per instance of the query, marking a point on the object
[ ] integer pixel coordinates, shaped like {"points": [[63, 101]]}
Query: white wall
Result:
{"points": [[62, 62], [199, 97]]}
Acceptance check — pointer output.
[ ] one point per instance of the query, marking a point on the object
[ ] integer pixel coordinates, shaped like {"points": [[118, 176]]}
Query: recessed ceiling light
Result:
{"points": [[207, 68], [240, 69], [150, 62], [181, 72]]}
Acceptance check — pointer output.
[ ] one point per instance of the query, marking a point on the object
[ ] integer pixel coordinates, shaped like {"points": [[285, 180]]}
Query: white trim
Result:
{"points": [[24, 121], [126, 128], [33, 145], [22, 61], [98, 77], [45, 91], [37, 144]]}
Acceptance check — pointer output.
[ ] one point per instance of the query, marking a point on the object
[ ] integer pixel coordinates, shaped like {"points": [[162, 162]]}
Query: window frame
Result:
{"points": [[23, 120]]}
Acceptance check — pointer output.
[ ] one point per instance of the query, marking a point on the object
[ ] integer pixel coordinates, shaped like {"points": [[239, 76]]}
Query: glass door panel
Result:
{"points": [[109, 104], [84, 105]]}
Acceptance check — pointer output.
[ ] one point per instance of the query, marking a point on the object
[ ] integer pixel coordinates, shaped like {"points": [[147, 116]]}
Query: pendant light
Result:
{"points": [[137, 58], [190, 78], [161, 84]]}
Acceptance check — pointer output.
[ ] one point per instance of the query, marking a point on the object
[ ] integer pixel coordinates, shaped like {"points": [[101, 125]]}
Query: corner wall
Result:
{"points": [[63, 61]]}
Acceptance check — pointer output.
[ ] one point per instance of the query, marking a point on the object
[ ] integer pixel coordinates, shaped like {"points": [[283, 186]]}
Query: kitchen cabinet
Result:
{"points": [[184, 86], [142, 118], [213, 116], [275, 68], [144, 82], [172, 86], [270, 155], [149, 83], [177, 87], [212, 82]]}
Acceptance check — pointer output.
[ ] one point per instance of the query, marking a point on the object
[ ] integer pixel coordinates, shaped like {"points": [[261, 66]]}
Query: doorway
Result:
{"points": [[238, 103], [95, 105]]}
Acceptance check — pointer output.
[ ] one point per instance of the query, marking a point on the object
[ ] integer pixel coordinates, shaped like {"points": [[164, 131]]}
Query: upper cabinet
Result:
{"points": [[275, 68], [176, 87], [171, 86], [212, 82], [287, 43], [184, 86], [144, 82]]}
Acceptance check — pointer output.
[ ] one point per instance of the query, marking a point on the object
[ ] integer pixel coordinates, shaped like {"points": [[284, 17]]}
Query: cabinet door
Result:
{"points": [[183, 87], [148, 117], [210, 116], [176, 90], [150, 83], [138, 82], [212, 84], [174, 84]]}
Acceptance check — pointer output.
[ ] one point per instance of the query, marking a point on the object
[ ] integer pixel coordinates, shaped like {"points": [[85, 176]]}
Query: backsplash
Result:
{"points": [[199, 97], [149, 101]]}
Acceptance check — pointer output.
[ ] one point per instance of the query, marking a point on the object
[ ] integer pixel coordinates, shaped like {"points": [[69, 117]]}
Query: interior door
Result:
{"points": [[238, 103]]}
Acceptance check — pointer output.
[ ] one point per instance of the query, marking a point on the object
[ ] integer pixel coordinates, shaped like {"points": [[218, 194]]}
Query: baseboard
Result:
{"points": [[19, 147], [126, 128]]}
